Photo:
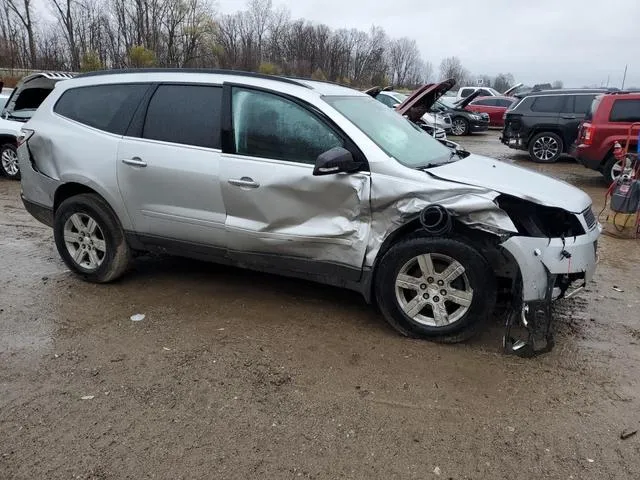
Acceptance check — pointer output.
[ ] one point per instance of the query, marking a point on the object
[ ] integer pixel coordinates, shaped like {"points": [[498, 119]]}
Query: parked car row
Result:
{"points": [[585, 123]]}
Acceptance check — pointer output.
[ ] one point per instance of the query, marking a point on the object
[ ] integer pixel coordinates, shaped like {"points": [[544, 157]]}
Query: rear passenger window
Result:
{"points": [[550, 104], [187, 114], [504, 102], [466, 92], [105, 107], [625, 111], [583, 104]]}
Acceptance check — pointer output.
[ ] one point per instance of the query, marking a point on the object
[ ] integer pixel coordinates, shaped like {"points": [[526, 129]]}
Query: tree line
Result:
{"points": [[83, 35]]}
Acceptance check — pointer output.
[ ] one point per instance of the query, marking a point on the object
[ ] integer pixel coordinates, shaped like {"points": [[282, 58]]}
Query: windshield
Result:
{"points": [[446, 102], [397, 136]]}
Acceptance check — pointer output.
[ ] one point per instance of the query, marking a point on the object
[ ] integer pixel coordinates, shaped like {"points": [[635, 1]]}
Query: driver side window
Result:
{"points": [[269, 126]]}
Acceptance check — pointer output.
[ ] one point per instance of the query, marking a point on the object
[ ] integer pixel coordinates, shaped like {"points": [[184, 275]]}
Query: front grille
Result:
{"points": [[589, 218]]}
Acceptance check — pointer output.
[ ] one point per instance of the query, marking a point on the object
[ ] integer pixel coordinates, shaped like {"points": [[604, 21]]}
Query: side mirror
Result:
{"points": [[336, 160]]}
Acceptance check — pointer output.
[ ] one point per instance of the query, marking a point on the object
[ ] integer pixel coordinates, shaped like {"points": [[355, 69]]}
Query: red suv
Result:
{"points": [[608, 122]]}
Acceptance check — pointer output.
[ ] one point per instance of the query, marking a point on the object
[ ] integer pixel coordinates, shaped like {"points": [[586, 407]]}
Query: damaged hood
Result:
{"points": [[421, 101], [515, 181]]}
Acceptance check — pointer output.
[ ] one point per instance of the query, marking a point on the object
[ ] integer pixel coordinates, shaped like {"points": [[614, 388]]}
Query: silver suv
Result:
{"points": [[306, 179]]}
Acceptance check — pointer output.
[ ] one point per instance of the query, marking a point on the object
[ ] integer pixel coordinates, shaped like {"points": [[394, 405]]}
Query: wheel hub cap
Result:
{"points": [[85, 241], [433, 290]]}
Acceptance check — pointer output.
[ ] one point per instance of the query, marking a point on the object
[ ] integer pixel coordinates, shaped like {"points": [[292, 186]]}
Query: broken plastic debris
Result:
{"points": [[87, 397], [220, 329], [511, 429], [437, 471], [626, 433], [137, 317], [590, 460], [618, 289], [166, 348]]}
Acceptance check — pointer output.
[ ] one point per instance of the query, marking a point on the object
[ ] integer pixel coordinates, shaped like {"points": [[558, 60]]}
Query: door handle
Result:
{"points": [[569, 117], [135, 161], [245, 182]]}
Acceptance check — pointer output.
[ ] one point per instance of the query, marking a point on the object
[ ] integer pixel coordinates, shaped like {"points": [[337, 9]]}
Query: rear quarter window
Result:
{"points": [[625, 110], [582, 104], [105, 107], [547, 104]]}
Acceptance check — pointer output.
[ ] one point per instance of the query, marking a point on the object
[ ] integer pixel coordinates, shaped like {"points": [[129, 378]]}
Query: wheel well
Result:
{"points": [[4, 138], [69, 190], [485, 243], [549, 130]]}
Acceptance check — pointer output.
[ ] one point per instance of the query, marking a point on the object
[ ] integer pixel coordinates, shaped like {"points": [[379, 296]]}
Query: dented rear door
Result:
{"points": [[278, 214]]}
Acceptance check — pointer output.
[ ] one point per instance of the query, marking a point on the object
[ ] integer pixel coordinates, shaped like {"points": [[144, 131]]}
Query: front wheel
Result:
{"points": [[435, 288], [9, 161], [460, 126], [545, 147], [90, 239]]}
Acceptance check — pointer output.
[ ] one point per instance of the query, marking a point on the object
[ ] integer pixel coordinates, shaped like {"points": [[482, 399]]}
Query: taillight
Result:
{"points": [[25, 135], [588, 132]]}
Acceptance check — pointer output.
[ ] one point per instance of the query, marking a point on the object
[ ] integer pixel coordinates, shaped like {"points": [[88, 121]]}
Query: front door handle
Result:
{"points": [[569, 117], [245, 182], [135, 161]]}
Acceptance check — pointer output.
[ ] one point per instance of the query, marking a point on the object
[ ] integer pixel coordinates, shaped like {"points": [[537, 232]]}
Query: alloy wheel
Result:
{"points": [[10, 161], [546, 148], [433, 290], [85, 241], [458, 127]]}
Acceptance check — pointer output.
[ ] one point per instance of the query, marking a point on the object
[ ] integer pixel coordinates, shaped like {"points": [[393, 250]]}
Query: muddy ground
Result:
{"points": [[239, 375]]}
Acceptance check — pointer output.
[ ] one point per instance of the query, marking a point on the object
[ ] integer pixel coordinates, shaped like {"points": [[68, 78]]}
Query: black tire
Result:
{"points": [[607, 169], [6, 170], [464, 126], [477, 272], [117, 255], [545, 147]]}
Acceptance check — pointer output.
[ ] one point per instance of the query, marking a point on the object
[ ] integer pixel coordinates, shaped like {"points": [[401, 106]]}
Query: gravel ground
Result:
{"points": [[237, 375]]}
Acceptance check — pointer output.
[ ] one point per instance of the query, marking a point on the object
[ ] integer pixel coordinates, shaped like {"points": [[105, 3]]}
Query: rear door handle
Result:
{"points": [[569, 117], [135, 161], [245, 182]]}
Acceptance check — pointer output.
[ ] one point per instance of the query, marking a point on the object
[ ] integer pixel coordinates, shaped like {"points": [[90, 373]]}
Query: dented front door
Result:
{"points": [[278, 214]]}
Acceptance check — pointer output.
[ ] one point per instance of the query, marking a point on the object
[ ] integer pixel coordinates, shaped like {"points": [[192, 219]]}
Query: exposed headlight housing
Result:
{"points": [[535, 220]]}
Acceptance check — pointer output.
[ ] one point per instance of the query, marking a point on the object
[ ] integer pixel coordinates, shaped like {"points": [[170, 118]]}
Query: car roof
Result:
{"points": [[568, 91], [495, 97], [280, 83]]}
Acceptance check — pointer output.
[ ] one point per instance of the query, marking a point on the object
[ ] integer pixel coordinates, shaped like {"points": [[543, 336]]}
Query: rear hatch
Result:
{"points": [[30, 93]]}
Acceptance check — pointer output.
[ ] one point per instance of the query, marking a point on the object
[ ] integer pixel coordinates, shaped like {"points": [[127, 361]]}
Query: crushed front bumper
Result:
{"points": [[549, 269]]}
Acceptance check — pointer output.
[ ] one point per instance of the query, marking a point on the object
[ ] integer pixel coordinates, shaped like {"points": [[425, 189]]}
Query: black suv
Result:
{"points": [[546, 123]]}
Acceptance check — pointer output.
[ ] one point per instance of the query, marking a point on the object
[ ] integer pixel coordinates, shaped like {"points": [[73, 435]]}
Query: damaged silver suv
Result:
{"points": [[306, 179]]}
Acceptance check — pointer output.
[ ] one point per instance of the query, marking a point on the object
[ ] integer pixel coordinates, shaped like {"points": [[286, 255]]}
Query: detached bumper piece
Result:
{"points": [[529, 328]]}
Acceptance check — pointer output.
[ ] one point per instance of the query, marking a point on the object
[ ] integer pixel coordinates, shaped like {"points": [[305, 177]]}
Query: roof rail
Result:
{"points": [[193, 70], [622, 92]]}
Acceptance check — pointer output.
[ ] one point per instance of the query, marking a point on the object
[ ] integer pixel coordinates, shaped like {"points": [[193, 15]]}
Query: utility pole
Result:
{"points": [[608, 80], [624, 78]]}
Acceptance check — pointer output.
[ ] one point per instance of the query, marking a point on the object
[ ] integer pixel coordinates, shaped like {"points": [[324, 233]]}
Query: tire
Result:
{"points": [[101, 254], [474, 287], [459, 126], [611, 169], [545, 147], [9, 161]]}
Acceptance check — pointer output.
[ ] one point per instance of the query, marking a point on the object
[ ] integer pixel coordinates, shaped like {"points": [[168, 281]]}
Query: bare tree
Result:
{"points": [[503, 81], [557, 84], [451, 67], [404, 59], [23, 11]]}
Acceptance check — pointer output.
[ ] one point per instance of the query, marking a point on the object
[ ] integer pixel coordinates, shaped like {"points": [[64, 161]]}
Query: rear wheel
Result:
{"points": [[9, 161], [613, 168], [433, 288], [90, 239], [545, 147], [459, 126]]}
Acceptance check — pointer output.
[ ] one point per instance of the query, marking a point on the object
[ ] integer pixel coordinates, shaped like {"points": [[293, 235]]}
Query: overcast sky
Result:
{"points": [[580, 42]]}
